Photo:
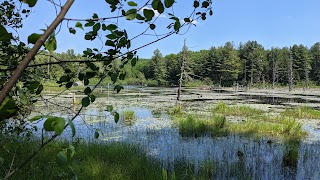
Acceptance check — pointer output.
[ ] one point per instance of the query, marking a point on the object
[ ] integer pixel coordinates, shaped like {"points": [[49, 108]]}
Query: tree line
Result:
{"points": [[247, 65]]}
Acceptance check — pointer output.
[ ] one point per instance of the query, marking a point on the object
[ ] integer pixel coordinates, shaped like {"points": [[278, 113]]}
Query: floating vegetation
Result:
{"points": [[303, 112]]}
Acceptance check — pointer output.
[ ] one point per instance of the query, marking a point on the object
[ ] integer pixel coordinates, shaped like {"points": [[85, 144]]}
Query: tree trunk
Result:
{"points": [[28, 58], [181, 71]]}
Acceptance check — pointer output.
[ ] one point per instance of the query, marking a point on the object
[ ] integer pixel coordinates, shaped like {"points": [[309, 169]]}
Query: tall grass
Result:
{"points": [[128, 117], [240, 110], [286, 128], [191, 126], [303, 112], [92, 161]]}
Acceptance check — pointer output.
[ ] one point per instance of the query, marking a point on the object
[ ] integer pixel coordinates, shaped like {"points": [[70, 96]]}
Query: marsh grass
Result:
{"points": [[303, 112], [92, 161], [192, 126], [287, 129], [217, 125], [128, 117], [177, 110], [239, 110]]}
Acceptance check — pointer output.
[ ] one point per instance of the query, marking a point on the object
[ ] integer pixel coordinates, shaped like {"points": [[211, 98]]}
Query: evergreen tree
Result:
{"points": [[158, 68], [315, 62]]}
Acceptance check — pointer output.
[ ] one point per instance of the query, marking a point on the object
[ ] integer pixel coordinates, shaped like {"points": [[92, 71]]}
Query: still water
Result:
{"points": [[231, 157]]}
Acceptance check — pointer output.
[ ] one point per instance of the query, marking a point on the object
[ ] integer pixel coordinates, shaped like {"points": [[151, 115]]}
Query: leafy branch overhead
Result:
{"points": [[21, 88]]}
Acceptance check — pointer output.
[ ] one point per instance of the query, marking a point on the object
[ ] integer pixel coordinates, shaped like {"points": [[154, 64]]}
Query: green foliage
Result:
{"points": [[8, 109], [240, 110], [191, 126], [128, 117], [303, 112]]}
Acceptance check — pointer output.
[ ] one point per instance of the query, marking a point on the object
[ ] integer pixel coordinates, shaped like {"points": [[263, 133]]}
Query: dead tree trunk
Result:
{"points": [[182, 69], [290, 72]]}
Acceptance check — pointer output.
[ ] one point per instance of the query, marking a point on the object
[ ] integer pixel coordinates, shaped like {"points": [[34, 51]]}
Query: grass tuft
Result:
{"points": [[240, 110], [128, 117], [303, 112]]}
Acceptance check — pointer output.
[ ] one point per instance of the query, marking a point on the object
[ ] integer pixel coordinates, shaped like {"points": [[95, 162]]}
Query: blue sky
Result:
{"points": [[275, 23]]}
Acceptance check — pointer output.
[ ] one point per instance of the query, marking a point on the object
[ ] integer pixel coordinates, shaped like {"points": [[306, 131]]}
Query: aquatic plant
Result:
{"points": [[128, 117], [239, 110], [177, 110], [192, 126], [303, 112]]}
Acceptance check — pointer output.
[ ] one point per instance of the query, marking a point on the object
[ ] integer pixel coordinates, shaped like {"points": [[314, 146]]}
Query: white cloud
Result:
{"points": [[156, 13]]}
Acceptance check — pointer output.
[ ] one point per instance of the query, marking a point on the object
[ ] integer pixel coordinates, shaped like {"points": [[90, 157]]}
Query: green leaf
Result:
{"points": [[96, 134], [31, 3], [168, 3], [33, 38], [210, 12], [85, 82], [114, 77], [205, 4], [36, 118], [196, 4], [112, 36], [72, 31], [104, 27], [133, 62], [34, 85], [177, 25], [110, 43], [109, 108], [155, 4], [95, 16], [85, 101], [131, 3], [69, 85], [116, 117], [87, 90], [112, 27], [54, 123], [160, 8], [79, 25], [73, 129], [4, 35], [96, 27], [148, 14], [39, 90], [186, 19], [51, 44], [62, 158], [131, 14], [122, 76], [92, 98], [152, 26], [88, 24], [118, 88], [139, 17], [8, 108], [112, 2]]}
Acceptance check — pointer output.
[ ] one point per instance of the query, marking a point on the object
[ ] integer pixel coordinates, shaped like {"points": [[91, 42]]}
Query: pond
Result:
{"points": [[230, 157]]}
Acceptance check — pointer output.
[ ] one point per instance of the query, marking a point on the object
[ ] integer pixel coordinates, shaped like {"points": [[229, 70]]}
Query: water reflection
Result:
{"points": [[233, 157]]}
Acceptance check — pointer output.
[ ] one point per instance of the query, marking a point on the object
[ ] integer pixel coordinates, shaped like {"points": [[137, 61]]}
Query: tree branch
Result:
{"points": [[28, 58]]}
